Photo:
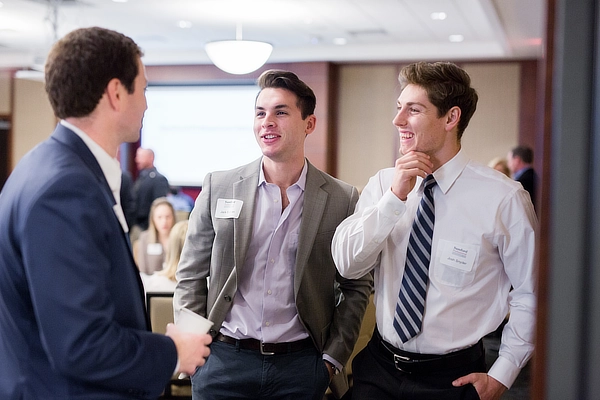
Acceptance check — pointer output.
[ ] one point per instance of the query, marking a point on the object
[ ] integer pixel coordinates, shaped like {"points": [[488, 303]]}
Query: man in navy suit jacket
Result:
{"points": [[72, 314], [520, 160]]}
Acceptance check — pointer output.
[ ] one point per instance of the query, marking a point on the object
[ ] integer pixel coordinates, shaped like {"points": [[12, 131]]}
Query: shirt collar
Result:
{"points": [[301, 182], [446, 175], [109, 165]]}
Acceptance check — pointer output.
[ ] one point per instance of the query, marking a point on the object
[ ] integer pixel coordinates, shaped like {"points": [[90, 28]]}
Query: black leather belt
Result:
{"points": [[268, 349], [427, 363]]}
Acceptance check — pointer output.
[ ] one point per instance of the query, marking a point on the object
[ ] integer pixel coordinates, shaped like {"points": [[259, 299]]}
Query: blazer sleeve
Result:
{"points": [[194, 264], [88, 306]]}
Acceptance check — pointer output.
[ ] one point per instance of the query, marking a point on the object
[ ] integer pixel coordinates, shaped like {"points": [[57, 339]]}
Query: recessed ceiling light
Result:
{"points": [[456, 38], [340, 41], [438, 16], [184, 24], [120, 1]]}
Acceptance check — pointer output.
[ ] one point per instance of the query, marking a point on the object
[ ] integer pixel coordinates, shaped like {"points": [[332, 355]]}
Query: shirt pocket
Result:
{"points": [[456, 263]]}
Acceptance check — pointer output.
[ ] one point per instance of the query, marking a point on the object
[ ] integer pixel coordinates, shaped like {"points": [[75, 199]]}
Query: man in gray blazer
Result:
{"points": [[285, 322]]}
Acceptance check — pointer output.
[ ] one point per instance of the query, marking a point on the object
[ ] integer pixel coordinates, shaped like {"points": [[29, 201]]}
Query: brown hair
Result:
{"points": [[278, 79], [81, 64], [446, 85], [524, 153]]}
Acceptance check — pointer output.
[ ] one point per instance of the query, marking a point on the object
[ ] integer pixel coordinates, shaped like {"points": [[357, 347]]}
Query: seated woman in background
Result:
{"points": [[164, 280], [149, 249]]}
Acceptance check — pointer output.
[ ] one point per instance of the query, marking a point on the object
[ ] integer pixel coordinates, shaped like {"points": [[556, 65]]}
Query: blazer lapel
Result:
{"points": [[315, 200], [70, 139], [245, 189], [74, 142]]}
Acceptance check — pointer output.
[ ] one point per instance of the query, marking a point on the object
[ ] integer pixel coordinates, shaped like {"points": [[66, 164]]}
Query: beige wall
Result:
{"points": [[5, 82], [494, 128], [33, 119], [367, 140]]}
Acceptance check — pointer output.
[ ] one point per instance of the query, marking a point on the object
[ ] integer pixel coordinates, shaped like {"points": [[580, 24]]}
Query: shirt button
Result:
{"points": [[269, 291], [276, 200], [272, 261], [396, 212], [267, 323]]}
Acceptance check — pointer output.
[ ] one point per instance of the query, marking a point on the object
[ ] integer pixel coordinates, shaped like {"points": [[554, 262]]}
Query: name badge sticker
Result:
{"points": [[154, 249], [458, 255], [228, 208]]}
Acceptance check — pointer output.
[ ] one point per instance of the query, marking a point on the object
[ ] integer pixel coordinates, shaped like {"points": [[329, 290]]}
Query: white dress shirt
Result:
{"points": [[483, 242]]}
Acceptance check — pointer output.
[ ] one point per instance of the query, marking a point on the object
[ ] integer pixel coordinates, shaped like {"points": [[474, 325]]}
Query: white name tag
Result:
{"points": [[228, 208], [458, 255], [154, 249]]}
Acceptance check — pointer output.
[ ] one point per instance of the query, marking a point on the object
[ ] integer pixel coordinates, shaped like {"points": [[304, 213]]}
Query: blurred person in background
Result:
{"points": [[164, 280], [500, 164], [149, 249], [149, 185]]}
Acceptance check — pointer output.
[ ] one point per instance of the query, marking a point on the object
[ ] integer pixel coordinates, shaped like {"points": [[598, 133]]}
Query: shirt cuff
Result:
{"points": [[176, 366], [338, 365], [391, 206], [504, 372]]}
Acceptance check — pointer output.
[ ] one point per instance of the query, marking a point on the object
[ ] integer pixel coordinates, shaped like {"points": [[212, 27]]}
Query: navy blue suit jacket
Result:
{"points": [[72, 315], [528, 179]]}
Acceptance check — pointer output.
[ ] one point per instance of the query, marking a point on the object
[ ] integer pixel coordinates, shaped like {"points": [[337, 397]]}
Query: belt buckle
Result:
{"points": [[263, 352], [401, 359]]}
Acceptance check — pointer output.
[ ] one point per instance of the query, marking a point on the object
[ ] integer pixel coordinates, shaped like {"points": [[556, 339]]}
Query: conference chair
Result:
{"points": [[160, 312]]}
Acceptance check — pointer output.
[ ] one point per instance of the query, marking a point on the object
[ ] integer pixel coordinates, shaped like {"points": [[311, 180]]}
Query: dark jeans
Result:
{"points": [[232, 373], [376, 377]]}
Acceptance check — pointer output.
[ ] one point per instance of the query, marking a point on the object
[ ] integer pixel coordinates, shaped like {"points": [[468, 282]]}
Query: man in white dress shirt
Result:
{"points": [[483, 243]]}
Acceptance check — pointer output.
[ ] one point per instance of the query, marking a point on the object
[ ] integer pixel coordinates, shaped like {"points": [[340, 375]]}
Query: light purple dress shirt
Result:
{"points": [[263, 306]]}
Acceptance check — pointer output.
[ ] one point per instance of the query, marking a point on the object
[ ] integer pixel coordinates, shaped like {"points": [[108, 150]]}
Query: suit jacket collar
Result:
{"points": [[74, 142], [70, 139]]}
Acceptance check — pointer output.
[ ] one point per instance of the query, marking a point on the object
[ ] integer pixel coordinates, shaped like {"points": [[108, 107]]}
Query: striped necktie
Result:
{"points": [[411, 300]]}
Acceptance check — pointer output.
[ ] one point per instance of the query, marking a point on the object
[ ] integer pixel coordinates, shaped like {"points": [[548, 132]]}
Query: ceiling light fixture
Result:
{"points": [[238, 56], [183, 24], [456, 38], [438, 16]]}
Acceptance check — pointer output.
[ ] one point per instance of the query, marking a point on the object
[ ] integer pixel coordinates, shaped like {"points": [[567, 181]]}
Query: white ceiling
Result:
{"points": [[299, 30]]}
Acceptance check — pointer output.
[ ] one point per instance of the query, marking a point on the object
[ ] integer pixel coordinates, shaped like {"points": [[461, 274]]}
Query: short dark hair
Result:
{"points": [[287, 80], [524, 153], [81, 64], [446, 85]]}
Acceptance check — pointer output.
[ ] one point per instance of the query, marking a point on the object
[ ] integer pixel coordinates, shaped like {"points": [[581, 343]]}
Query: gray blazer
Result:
{"points": [[216, 248]]}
